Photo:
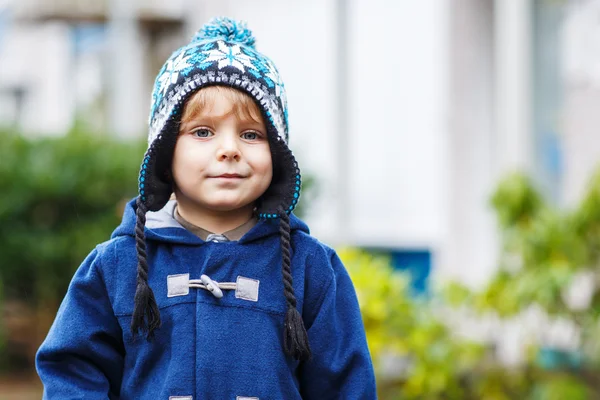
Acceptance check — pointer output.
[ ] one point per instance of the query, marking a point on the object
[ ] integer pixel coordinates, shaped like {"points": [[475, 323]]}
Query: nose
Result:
{"points": [[228, 149]]}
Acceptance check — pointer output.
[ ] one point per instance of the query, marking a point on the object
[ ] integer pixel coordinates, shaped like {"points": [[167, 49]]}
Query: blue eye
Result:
{"points": [[202, 133], [250, 135]]}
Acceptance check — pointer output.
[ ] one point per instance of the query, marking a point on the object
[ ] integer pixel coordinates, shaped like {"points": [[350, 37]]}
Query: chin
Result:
{"points": [[226, 206]]}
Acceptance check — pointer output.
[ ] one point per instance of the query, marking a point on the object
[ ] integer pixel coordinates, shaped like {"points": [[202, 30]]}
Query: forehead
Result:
{"points": [[221, 102], [218, 106]]}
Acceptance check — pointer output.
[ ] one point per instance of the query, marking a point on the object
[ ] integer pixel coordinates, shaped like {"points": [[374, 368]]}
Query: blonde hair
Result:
{"points": [[244, 106]]}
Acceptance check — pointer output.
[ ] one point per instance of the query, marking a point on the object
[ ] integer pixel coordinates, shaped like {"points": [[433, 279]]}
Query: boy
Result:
{"points": [[233, 298]]}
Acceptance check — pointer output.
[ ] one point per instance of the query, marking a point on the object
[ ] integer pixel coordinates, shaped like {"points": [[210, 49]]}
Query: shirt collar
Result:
{"points": [[234, 234]]}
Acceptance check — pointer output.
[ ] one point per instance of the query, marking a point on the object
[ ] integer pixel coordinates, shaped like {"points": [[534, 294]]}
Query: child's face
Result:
{"points": [[222, 160]]}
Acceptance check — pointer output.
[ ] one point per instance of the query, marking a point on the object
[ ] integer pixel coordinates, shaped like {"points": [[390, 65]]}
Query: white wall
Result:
{"points": [[470, 246], [37, 58], [581, 75], [398, 126]]}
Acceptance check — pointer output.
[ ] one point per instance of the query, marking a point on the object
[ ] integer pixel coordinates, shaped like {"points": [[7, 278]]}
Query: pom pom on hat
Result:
{"points": [[226, 29]]}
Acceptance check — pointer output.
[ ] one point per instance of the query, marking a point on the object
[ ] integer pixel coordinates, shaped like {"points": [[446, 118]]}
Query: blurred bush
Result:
{"points": [[60, 197], [415, 355], [548, 256], [550, 259]]}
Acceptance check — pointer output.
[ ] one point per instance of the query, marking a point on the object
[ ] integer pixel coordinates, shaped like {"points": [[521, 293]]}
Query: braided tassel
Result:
{"points": [[146, 316], [295, 338]]}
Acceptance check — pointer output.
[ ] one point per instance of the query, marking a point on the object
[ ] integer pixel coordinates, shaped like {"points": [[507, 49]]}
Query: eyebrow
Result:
{"points": [[201, 117]]}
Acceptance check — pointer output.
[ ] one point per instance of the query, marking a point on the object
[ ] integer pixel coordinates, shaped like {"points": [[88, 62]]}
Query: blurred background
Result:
{"points": [[450, 150]]}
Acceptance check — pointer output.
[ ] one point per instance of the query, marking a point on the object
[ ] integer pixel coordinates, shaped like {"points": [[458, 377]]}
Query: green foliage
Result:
{"points": [[429, 362], [586, 222], [544, 249], [561, 387], [416, 356], [516, 201], [61, 196]]}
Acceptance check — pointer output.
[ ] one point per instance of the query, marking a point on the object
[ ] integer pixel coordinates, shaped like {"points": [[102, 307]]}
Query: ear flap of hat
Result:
{"points": [[284, 190], [155, 184]]}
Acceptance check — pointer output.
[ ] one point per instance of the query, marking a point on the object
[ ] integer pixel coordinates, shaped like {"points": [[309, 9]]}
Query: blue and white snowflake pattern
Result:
{"points": [[171, 73], [273, 75], [229, 55]]}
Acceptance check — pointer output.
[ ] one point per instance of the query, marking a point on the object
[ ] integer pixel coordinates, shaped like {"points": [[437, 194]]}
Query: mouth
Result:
{"points": [[229, 176]]}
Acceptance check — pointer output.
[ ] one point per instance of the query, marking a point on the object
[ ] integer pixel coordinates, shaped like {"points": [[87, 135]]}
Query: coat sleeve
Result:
{"points": [[341, 366], [82, 356]]}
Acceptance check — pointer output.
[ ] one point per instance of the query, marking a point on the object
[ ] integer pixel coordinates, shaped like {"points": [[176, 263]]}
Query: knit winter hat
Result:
{"points": [[221, 53]]}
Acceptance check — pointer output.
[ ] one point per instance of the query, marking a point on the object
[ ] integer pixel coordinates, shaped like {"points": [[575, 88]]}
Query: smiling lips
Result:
{"points": [[229, 176]]}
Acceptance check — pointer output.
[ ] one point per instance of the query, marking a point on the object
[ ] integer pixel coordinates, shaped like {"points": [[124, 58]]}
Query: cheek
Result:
{"points": [[264, 166], [185, 164], [189, 156], [177, 163]]}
